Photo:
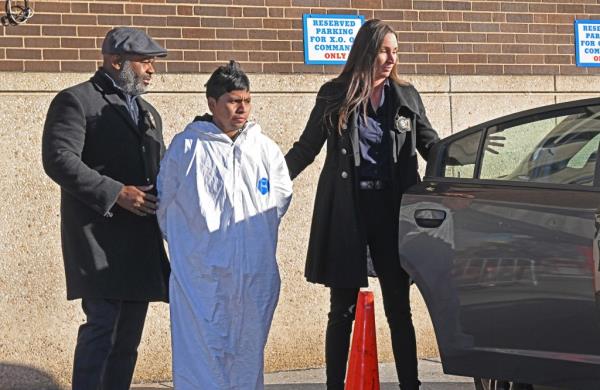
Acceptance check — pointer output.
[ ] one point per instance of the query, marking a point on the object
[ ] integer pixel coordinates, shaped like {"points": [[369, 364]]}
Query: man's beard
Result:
{"points": [[130, 82]]}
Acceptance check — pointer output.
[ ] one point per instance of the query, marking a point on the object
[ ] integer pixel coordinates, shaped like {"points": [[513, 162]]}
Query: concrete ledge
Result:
{"points": [[14, 82], [430, 84], [472, 109], [171, 83], [578, 84], [512, 84], [568, 97]]}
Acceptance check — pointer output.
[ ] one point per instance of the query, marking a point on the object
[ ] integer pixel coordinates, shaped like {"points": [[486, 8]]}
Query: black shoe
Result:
{"points": [[502, 385], [414, 386]]}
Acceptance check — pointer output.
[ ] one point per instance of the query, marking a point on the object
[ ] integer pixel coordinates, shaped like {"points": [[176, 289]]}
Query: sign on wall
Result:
{"points": [[587, 42], [328, 38]]}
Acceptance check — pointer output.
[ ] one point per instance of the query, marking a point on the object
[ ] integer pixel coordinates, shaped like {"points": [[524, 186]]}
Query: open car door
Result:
{"points": [[501, 238]]}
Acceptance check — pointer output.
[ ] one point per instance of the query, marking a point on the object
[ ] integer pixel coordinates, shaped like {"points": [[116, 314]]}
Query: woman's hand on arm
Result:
{"points": [[304, 151]]}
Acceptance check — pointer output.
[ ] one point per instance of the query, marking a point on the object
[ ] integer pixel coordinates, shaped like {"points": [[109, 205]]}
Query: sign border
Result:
{"points": [[305, 18], [576, 24]]}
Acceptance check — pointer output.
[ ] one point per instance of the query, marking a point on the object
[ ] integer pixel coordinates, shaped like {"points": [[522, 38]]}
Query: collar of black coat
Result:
{"points": [[405, 96], [108, 84], [105, 82], [114, 97]]}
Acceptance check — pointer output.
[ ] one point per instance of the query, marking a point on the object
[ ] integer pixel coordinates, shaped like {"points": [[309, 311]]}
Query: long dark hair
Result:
{"points": [[357, 76]]}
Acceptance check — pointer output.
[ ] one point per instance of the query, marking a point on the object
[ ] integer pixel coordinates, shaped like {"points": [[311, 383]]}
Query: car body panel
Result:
{"points": [[508, 270]]}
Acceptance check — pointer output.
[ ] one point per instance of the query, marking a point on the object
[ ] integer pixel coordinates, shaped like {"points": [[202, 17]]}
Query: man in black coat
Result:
{"points": [[102, 143]]}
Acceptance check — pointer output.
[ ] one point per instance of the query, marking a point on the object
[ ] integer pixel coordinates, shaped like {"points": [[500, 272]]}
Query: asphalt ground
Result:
{"points": [[430, 374]]}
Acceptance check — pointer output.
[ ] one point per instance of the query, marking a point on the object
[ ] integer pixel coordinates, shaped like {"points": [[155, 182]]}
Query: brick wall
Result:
{"points": [[436, 37]]}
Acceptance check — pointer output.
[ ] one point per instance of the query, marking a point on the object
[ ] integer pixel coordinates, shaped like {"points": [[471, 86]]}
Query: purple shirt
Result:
{"points": [[374, 142]]}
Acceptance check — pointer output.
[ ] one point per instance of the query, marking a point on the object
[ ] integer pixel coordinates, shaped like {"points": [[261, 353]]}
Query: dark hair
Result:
{"points": [[357, 75], [225, 79]]}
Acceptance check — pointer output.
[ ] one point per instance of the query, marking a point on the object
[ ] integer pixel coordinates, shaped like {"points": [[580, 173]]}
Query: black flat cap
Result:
{"points": [[129, 40]]}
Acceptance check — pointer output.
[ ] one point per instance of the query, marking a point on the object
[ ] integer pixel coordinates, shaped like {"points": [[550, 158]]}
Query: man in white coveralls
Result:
{"points": [[223, 188]]}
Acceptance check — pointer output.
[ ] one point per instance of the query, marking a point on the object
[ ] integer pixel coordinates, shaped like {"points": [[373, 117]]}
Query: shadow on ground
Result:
{"points": [[19, 377], [384, 386], [321, 386]]}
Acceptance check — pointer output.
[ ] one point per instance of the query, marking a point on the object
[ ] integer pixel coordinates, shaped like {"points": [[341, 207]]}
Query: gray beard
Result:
{"points": [[131, 83]]}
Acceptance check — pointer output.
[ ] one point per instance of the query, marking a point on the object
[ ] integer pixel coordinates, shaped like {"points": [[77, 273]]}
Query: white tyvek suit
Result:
{"points": [[221, 202]]}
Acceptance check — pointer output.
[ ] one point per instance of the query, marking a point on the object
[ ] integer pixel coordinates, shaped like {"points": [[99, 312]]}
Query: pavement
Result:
{"points": [[430, 374]]}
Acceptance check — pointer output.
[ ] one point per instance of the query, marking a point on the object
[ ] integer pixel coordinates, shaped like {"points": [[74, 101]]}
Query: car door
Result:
{"points": [[501, 238]]}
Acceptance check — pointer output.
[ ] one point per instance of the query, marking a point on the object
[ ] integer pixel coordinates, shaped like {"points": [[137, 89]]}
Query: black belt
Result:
{"points": [[373, 185]]}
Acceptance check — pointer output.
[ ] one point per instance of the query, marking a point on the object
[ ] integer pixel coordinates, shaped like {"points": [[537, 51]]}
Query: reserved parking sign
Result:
{"points": [[587, 42], [328, 38]]}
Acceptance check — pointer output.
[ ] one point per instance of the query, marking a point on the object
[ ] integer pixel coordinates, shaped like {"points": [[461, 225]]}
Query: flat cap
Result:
{"points": [[129, 40]]}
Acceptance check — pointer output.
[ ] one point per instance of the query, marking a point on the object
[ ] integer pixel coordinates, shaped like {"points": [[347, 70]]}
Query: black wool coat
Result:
{"points": [[337, 246], [91, 147]]}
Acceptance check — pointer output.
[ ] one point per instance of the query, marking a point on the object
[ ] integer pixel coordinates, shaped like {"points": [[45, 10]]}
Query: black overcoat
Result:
{"points": [[91, 147], [337, 246]]}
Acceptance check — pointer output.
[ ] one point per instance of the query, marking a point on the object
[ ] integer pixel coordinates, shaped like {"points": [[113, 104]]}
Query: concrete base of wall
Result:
{"points": [[38, 327]]}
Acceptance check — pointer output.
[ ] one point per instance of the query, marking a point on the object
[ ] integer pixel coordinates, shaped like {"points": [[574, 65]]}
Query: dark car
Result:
{"points": [[501, 238]]}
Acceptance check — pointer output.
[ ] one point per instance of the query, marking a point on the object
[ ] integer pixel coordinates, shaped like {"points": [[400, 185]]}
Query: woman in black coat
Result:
{"points": [[373, 123]]}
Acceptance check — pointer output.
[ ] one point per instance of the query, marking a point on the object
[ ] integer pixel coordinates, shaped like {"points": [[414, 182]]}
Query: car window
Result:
{"points": [[461, 155], [585, 155], [556, 149]]}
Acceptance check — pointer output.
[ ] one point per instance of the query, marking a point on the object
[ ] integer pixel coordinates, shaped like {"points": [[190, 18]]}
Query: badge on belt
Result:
{"points": [[402, 123]]}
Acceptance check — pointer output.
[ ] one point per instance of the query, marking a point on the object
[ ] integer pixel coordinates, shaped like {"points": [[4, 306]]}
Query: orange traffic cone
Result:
{"points": [[363, 373]]}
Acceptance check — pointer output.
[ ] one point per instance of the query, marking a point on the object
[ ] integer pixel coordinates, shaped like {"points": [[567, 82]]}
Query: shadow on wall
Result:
{"points": [[18, 377]]}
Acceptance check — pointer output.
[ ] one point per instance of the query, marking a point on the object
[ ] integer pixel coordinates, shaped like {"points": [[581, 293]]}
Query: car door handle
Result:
{"points": [[429, 218]]}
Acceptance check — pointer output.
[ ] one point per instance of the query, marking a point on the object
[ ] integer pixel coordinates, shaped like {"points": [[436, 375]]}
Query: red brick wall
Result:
{"points": [[436, 37]]}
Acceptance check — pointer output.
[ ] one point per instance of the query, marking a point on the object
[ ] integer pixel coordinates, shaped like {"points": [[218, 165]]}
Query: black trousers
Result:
{"points": [[380, 227], [107, 344]]}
